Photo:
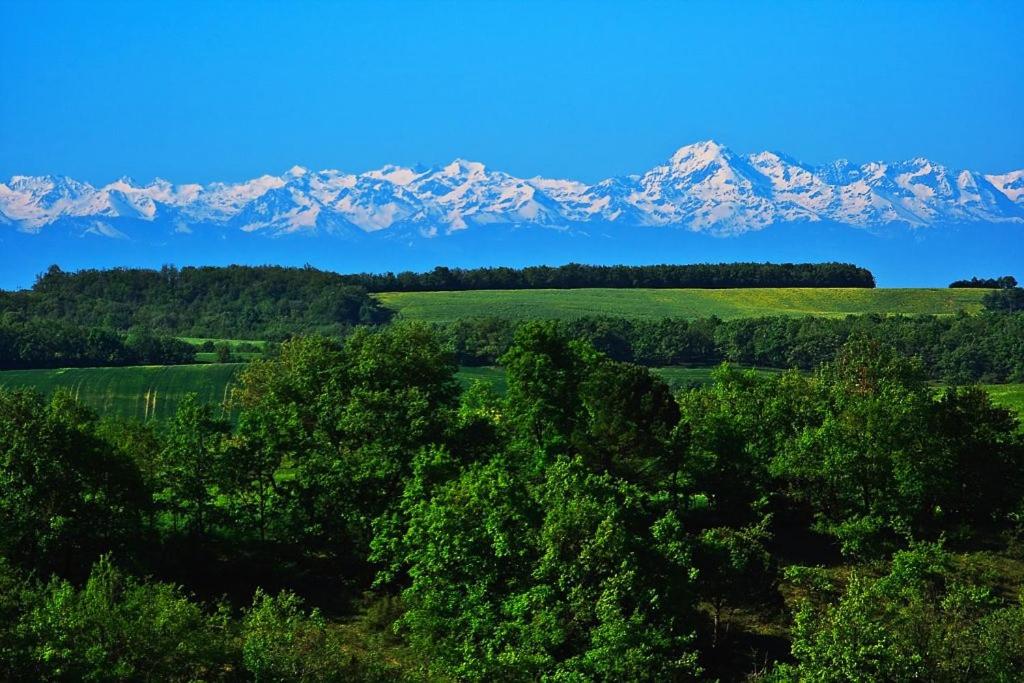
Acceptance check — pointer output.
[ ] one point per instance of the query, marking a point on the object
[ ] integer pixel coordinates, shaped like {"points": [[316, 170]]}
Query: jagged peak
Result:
{"points": [[462, 166], [704, 150]]}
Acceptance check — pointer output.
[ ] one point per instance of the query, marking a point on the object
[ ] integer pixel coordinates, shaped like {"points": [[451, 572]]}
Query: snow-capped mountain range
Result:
{"points": [[703, 187]]}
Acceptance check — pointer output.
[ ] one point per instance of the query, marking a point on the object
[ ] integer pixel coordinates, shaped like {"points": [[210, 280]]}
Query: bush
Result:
{"points": [[284, 642], [119, 628], [920, 622]]}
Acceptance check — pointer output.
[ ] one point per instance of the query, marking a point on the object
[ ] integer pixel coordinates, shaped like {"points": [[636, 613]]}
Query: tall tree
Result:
{"points": [[192, 464], [66, 496]]}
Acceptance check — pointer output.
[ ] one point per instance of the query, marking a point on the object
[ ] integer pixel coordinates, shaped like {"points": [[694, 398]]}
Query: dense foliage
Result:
{"points": [[41, 343], [924, 620], [586, 526], [576, 275], [233, 302], [988, 348]]}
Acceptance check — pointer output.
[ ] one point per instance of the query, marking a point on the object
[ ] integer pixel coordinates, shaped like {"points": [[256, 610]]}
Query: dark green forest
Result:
{"points": [[965, 348], [366, 519], [232, 302], [1005, 282], [46, 343]]}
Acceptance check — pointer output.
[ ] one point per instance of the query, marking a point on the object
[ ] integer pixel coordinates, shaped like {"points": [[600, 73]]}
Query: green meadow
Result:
{"points": [[685, 303], [1008, 396]]}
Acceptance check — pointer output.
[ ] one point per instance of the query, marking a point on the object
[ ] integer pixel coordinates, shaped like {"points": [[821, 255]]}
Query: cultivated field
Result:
{"points": [[144, 392], [687, 303]]}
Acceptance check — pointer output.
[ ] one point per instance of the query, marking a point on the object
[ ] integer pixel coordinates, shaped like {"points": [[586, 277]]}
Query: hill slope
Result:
{"points": [[687, 303], [141, 392]]}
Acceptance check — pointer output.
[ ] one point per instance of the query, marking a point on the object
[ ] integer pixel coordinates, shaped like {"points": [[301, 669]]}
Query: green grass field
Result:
{"points": [[686, 303], [1008, 396], [239, 356], [142, 393], [198, 341]]}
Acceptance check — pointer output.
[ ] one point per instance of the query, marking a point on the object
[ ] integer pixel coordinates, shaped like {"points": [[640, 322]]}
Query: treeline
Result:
{"points": [[1005, 282], [964, 348], [576, 275], [231, 302], [587, 526], [275, 303], [41, 343]]}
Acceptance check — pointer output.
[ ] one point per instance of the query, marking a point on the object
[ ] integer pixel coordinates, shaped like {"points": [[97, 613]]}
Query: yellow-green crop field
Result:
{"points": [[684, 303]]}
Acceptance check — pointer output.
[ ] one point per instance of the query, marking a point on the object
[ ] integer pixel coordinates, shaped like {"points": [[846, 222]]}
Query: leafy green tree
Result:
{"points": [[978, 476], [281, 401], [543, 371], [346, 420], [735, 427], [66, 496], [559, 555], [628, 416], [192, 464], [864, 467], [282, 641], [118, 628], [923, 621], [398, 394], [223, 352], [734, 569], [255, 499], [465, 548]]}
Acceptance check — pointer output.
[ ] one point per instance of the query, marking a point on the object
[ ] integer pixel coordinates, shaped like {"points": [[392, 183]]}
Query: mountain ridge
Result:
{"points": [[702, 187]]}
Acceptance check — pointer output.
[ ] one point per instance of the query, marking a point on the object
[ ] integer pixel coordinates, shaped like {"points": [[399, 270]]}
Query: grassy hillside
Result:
{"points": [[689, 303], [146, 392]]}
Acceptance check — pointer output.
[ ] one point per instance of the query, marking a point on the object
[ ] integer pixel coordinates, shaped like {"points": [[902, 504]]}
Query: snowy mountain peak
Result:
{"points": [[699, 154], [399, 175], [462, 167], [703, 186]]}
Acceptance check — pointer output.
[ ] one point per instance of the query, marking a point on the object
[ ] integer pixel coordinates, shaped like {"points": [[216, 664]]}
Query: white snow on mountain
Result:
{"points": [[702, 187], [1010, 184]]}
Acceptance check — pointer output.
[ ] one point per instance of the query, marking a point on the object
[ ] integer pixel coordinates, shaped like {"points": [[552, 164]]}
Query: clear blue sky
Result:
{"points": [[199, 91]]}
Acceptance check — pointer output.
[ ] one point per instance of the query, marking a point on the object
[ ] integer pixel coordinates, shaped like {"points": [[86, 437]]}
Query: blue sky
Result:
{"points": [[198, 91]]}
